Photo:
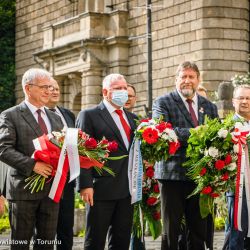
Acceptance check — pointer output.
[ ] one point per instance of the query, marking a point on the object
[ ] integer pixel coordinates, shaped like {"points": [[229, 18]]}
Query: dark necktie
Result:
{"points": [[53, 109], [192, 113], [41, 122], [125, 125]]}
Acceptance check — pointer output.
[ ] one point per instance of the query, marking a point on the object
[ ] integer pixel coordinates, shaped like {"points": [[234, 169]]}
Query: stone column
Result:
{"points": [[225, 94], [91, 87]]}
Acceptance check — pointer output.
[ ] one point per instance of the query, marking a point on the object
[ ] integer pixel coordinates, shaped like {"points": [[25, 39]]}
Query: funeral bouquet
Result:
{"points": [[148, 209], [69, 151], [212, 156], [158, 139]]}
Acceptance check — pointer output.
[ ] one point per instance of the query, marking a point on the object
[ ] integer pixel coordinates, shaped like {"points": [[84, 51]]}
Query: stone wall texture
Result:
{"points": [[214, 34]]}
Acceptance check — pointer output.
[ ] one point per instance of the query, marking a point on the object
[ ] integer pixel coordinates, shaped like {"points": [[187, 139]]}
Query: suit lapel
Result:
{"points": [[131, 123], [107, 118], [30, 119], [201, 110], [182, 107], [68, 120]]}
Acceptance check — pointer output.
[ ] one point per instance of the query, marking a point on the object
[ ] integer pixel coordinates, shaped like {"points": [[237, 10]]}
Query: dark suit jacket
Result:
{"points": [[68, 116], [174, 111], [97, 122], [18, 128], [70, 120]]}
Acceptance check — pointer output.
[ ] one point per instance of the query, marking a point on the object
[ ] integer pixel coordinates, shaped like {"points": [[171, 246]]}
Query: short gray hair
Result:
{"points": [[31, 74], [110, 79], [243, 86], [188, 65]]}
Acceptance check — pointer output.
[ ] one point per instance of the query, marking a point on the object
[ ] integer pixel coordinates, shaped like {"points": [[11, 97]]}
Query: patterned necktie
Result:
{"points": [[192, 113], [53, 109], [125, 125], [41, 122]]}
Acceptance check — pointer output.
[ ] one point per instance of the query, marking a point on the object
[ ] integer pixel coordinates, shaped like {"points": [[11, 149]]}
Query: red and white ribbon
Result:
{"points": [[69, 148], [243, 175]]}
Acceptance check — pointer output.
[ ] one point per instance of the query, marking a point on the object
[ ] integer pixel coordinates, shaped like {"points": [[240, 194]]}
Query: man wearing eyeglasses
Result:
{"points": [[129, 105], [19, 125], [66, 207], [235, 238]]}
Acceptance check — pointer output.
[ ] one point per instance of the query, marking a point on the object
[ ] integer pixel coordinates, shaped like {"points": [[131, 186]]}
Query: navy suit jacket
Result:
{"points": [[97, 122], [174, 111]]}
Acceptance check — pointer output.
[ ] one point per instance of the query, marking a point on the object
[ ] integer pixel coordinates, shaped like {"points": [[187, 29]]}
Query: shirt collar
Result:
{"points": [[111, 109], [33, 108], [194, 99]]}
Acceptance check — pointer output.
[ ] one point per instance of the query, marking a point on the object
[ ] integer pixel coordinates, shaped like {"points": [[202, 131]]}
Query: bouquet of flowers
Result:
{"points": [[158, 139], [148, 209], [91, 153], [212, 155]]}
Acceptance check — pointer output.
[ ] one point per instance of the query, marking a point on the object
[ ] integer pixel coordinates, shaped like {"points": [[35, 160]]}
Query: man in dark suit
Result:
{"points": [[109, 210], [184, 109], [66, 207], [19, 125]]}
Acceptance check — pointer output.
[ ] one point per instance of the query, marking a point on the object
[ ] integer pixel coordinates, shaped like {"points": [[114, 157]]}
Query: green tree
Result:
{"points": [[7, 54]]}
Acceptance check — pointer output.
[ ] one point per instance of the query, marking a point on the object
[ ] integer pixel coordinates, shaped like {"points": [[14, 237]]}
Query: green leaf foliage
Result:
{"points": [[7, 52]]}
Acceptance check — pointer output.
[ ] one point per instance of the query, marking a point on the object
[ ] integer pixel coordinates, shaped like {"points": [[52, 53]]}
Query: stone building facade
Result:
{"points": [[80, 41]]}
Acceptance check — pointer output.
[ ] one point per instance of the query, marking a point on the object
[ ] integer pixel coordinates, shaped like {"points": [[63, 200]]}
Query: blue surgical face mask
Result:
{"points": [[119, 97]]}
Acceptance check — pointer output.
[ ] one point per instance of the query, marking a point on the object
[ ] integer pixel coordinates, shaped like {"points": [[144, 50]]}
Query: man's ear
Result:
{"points": [[104, 92]]}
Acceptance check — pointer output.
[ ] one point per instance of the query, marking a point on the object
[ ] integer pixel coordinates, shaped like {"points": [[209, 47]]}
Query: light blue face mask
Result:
{"points": [[119, 97]]}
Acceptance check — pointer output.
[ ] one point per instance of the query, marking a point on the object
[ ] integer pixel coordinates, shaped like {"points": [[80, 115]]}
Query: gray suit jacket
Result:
{"points": [[18, 128], [174, 111]]}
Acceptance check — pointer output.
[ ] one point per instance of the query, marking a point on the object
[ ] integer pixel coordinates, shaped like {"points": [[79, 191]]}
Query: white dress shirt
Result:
{"points": [[33, 109], [111, 109]]}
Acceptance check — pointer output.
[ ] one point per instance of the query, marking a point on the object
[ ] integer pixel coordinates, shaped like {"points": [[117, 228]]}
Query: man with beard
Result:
{"points": [[184, 109]]}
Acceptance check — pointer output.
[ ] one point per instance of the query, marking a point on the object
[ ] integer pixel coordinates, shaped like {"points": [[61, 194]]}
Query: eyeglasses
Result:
{"points": [[241, 98], [131, 96], [43, 87]]}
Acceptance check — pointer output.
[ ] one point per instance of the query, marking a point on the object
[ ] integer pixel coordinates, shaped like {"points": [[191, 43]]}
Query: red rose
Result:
{"points": [[173, 146], [91, 143], [150, 172], [104, 142], [228, 159], [206, 190], [112, 146], [144, 120], [214, 195], [151, 201], [161, 126], [82, 135], [225, 176], [220, 164], [203, 171], [157, 215], [150, 135], [156, 188]]}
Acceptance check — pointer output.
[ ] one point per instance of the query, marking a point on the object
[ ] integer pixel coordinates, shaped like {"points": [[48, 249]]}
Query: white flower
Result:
{"points": [[222, 133], [232, 166], [239, 126], [236, 148], [212, 151]]}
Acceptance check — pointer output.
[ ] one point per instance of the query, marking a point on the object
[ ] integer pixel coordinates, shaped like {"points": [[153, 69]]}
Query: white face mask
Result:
{"points": [[119, 97]]}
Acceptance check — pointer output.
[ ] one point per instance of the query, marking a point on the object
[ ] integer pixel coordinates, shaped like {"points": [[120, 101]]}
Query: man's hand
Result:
{"points": [[87, 195], [2, 205], [43, 169]]}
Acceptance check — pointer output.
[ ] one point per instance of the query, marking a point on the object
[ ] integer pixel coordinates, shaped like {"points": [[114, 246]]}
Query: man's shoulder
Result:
{"points": [[68, 111], [167, 97], [91, 111], [13, 109]]}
